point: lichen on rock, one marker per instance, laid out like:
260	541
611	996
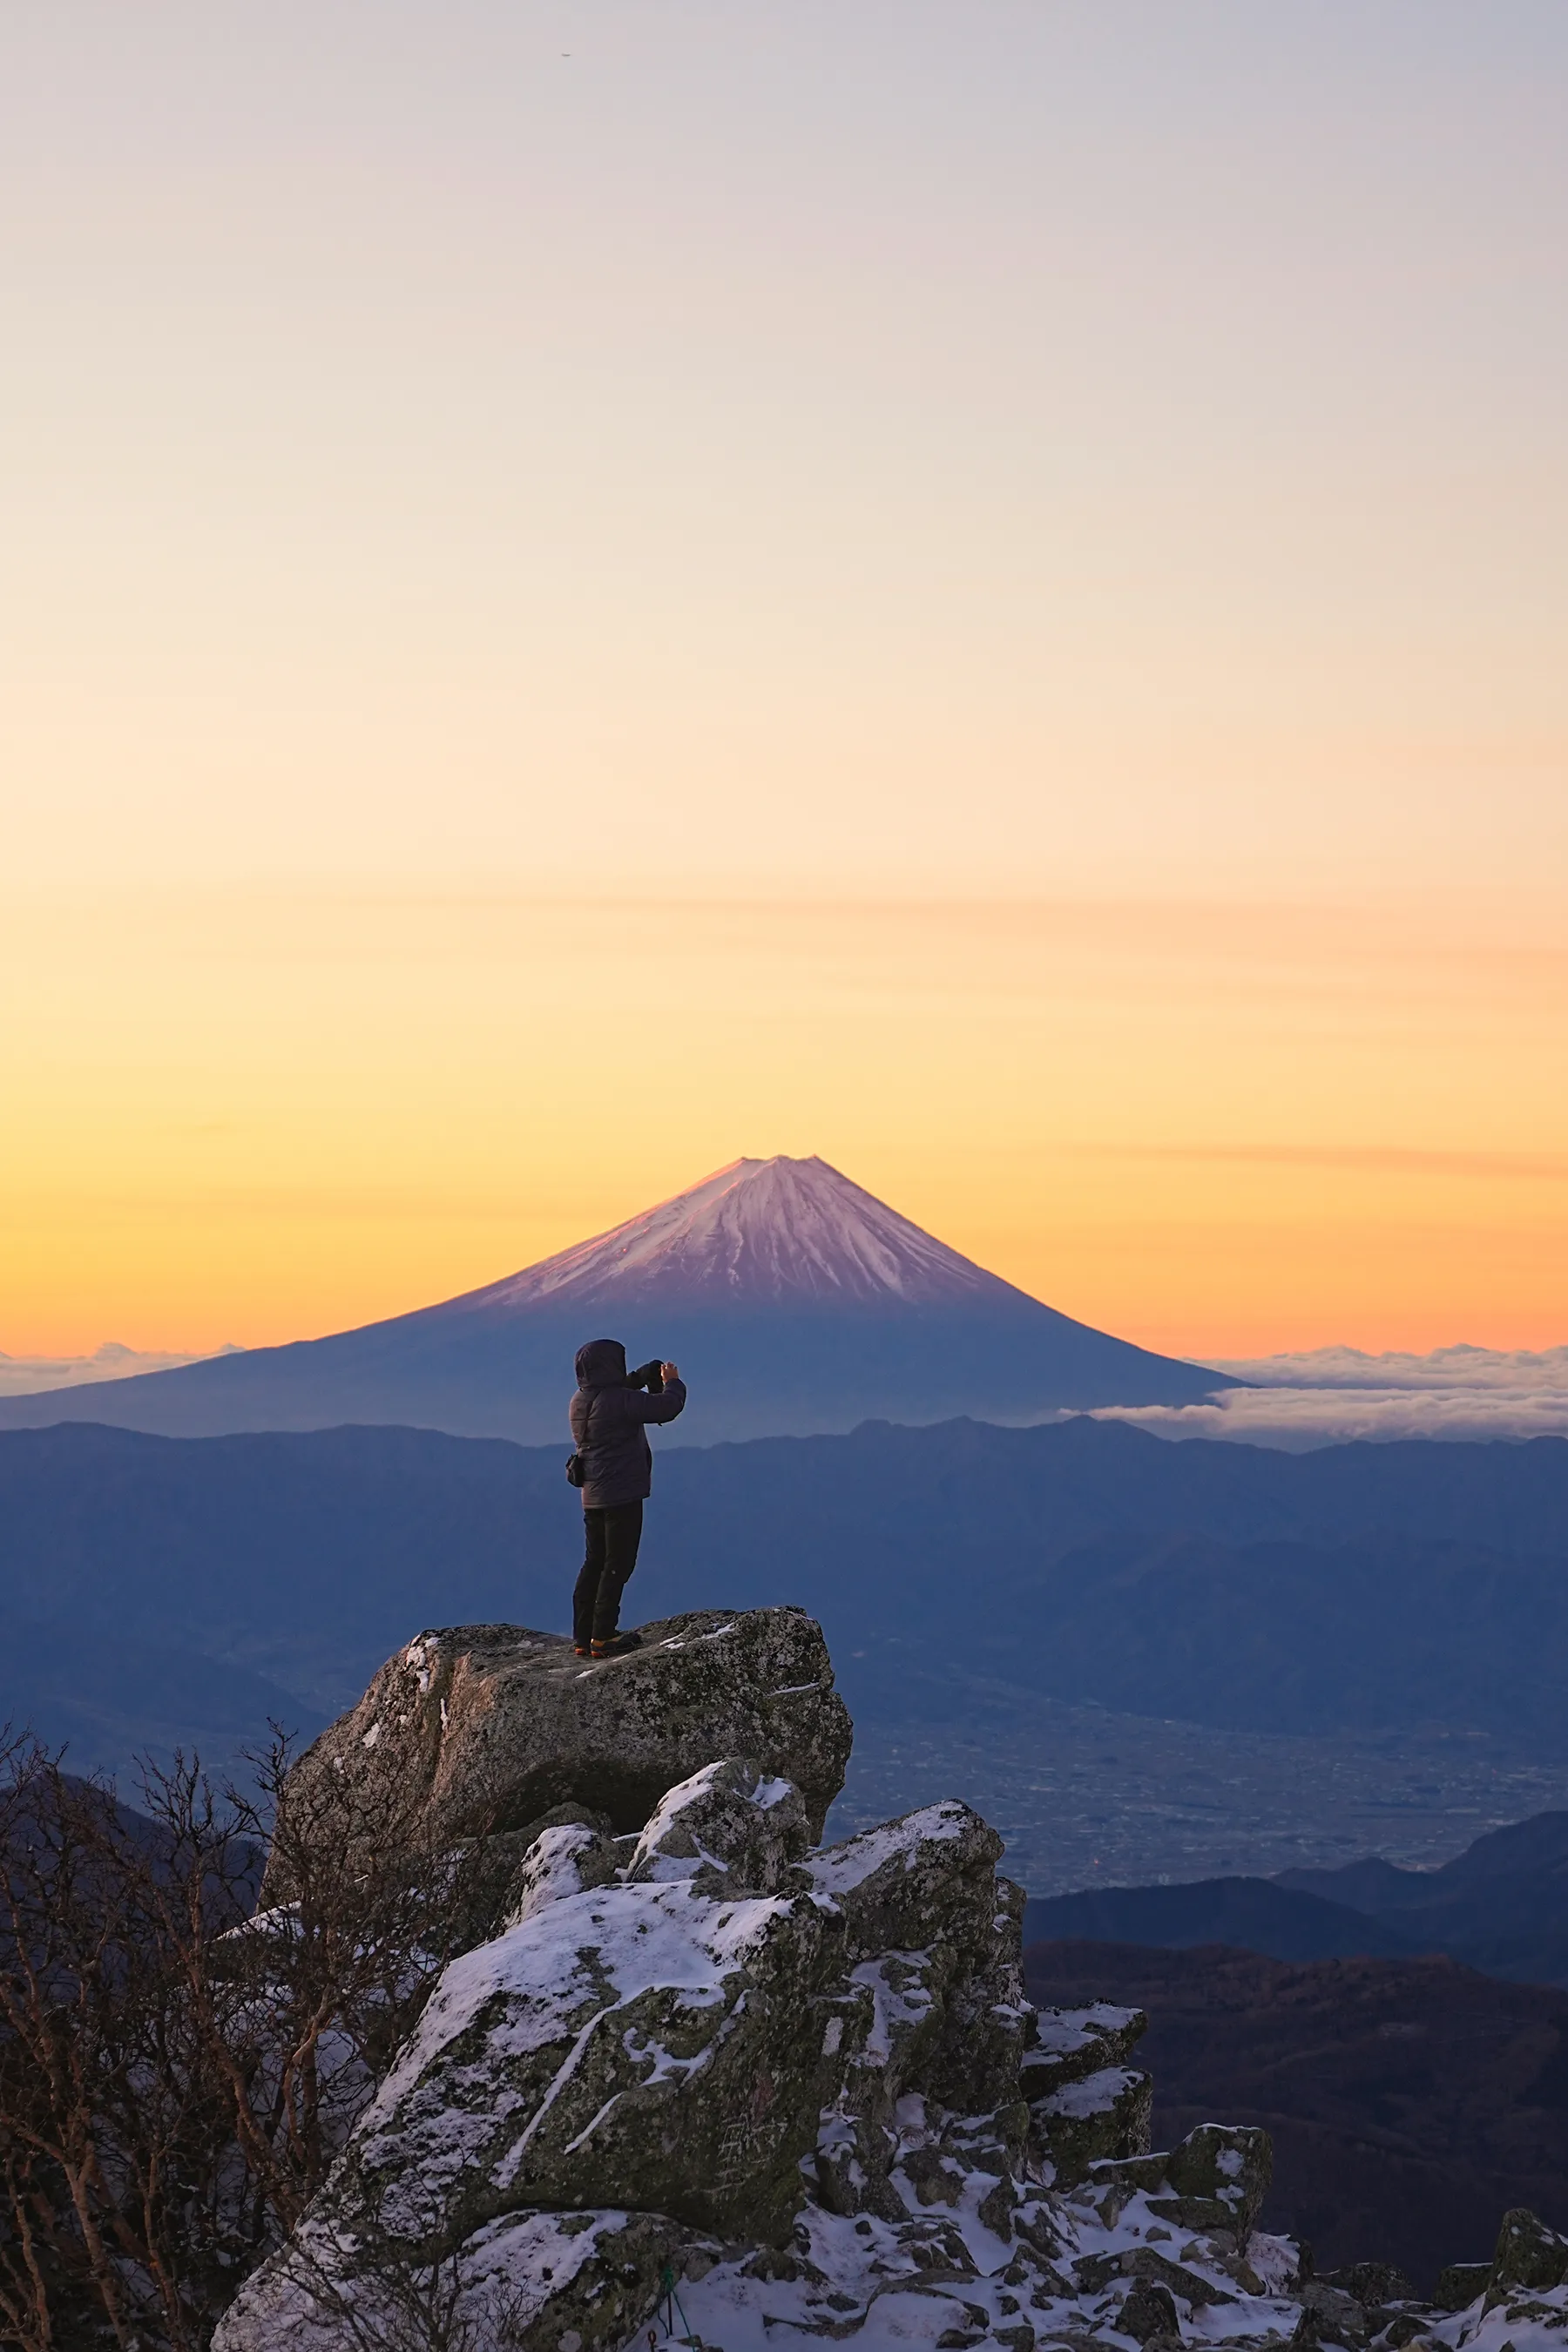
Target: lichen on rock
486	1727
1086	2103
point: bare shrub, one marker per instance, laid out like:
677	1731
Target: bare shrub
176	2074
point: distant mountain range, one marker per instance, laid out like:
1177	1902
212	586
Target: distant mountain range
1080	1560
1502	1906
794	1301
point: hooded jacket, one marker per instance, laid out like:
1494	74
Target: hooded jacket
608	1420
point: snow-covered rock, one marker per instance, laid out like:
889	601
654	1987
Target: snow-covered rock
689	2045
1086	2103
729	1827
729	2107
1529	2256
1521	2298
1214	2182
705	2086
565	1858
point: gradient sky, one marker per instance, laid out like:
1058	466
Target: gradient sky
979	589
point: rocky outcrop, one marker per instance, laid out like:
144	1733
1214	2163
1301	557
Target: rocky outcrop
1458	2285
1521	2300
1517	2300
487	1728
1529	2256
731	1829
706	2082
794	2080
1216	2182
1085	2102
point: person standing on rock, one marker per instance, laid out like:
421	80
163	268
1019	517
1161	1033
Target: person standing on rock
614	1466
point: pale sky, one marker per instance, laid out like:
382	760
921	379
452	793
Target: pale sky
1104	462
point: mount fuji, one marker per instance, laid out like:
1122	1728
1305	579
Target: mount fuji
795	1303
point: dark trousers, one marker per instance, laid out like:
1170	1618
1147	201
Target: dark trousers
610	1555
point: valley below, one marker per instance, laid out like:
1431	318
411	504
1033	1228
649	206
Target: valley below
1145	1662
1085	1797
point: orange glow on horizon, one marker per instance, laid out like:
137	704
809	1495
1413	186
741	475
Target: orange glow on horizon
1215	1130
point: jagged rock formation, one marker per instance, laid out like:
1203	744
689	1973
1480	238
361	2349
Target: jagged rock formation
1086	2101
702	2080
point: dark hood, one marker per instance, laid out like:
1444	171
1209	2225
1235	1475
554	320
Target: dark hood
601	1364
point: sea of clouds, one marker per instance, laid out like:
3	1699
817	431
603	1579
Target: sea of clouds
1327	1395
28	1375
1321	1397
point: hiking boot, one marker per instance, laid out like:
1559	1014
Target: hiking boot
582	1649
615	1646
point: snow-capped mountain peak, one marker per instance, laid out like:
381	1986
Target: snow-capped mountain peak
769	1232
798	1302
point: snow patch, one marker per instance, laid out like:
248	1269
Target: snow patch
837	1870
1095	2094
622	1940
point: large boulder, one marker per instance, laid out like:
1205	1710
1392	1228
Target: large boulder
1220	2174
1529	2254
564	2062
1459	2284
731	1829
486	1729
1214	2181
925	1887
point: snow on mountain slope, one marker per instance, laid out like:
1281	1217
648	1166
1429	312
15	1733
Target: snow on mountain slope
761	1232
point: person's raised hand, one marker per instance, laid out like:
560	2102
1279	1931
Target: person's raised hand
669	1371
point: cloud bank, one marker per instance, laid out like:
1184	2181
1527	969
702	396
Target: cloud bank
1323	1396
28	1375
1326	1396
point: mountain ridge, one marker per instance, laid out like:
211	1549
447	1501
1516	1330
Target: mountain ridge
1500	1907
1080	1560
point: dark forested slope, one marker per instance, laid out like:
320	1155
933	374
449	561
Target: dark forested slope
1411	2102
